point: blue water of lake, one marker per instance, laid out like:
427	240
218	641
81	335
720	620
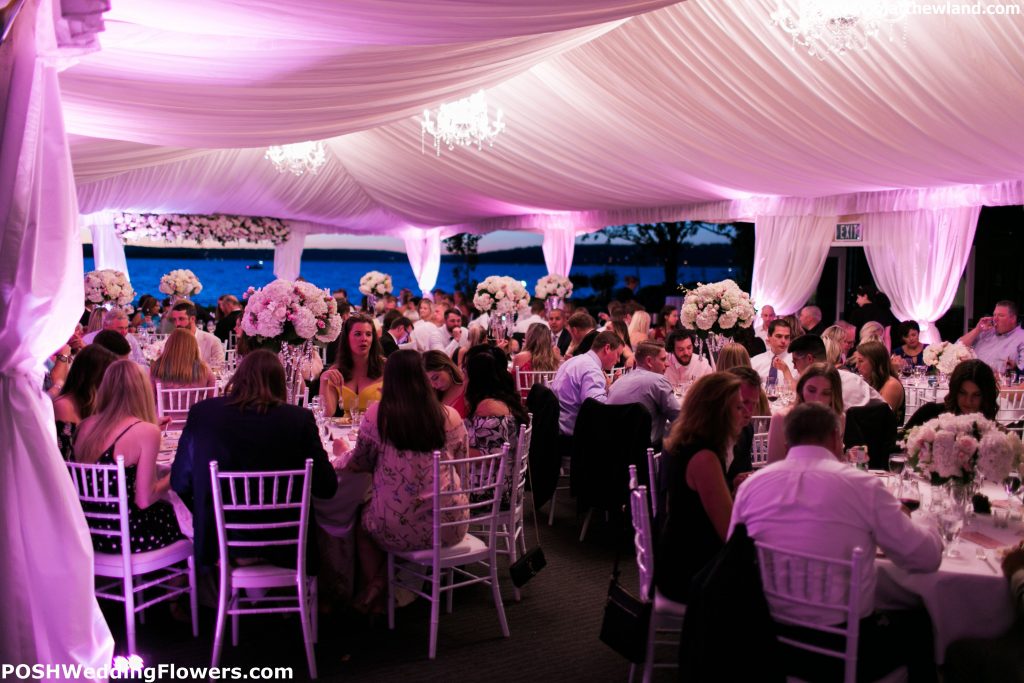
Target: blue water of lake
230	276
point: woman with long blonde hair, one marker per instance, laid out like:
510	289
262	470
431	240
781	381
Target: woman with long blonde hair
732	355
180	365
639	328
125	424
538	352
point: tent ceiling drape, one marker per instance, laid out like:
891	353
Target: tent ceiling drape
616	111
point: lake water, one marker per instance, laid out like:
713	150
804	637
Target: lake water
230	276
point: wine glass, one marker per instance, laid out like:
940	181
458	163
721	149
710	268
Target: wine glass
1011	484
910	494
897	463
771	390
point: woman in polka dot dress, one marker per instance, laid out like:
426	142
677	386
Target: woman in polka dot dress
125	423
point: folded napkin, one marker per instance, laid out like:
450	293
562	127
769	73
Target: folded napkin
978	538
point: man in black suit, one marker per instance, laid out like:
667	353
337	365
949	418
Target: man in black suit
810	320
556	321
397	334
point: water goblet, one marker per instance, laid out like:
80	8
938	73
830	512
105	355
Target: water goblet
1011	484
951	522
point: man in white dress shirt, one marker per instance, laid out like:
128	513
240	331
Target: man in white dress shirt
452	332
426	336
767	316
683	366
536	316
775	364
808	349
582	377
646	385
813	503
117	320
997	340
211	350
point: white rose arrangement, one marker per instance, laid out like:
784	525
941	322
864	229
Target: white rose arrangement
957	447
180	282
152	351
717	308
108	287
217	228
504	295
290	313
945	356
375	283
553	285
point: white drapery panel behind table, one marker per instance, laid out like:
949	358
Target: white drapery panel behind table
107	247
558	248
288	256
917	258
48	611
424	249
789	252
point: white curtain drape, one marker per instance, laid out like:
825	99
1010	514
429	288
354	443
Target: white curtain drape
288	256
48	610
789	252
558	247
917	258
424	249
107	247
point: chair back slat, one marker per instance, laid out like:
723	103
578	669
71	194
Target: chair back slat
526	379
175	403
642	537
520	464
477	481
759	450
916	396
1011	406
96	485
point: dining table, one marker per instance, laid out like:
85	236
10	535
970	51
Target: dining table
968	597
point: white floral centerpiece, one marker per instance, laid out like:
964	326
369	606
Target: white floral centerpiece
504	295
375	283
153	350
955	448
286	312
216	228
108	287
181	283
553	285
945	356
717	308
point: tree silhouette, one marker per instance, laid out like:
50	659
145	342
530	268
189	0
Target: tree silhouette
662	242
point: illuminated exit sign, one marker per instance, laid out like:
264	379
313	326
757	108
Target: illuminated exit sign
849	232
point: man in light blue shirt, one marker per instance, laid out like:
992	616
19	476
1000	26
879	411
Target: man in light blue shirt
647	385
997	340
582	377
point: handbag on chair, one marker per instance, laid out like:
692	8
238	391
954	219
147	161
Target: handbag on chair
626	619
533	560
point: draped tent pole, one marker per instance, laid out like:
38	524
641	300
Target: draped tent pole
559	245
288	256
789	253
107	247
424	250
48	609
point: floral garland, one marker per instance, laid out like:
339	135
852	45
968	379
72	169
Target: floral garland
216	228
553	285
375	283
504	294
958	447
716	308
945	356
286	312
181	282
108	287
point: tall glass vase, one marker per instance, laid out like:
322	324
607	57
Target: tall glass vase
709	347
552	303
502	324
294	357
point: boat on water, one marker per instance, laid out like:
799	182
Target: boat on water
255	266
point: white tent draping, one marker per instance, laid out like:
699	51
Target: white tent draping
288	256
424	249
558	247
107	247
917	258
48	611
789	252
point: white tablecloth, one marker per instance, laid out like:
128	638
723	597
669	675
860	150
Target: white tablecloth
967	597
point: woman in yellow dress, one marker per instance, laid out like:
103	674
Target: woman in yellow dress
354	381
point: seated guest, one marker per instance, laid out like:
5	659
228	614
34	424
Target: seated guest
639	328
397	439
626	358
147	314
426	335
738	463
911	350
455	336
668	322
538	352
355	378
559	334
872	331
77	398
813	503
683	366
819	383
732	356
765	318
230	309
447	381
647	385
993	660
694	502
808	349
833	352
476	335
775	365
845	336
125	424
810	320
251	428
583	376
179	365
398	331
211	350
998	340
582	329
972	389
113	341
873	365
536	316
116	320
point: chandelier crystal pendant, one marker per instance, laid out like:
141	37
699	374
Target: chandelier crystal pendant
298	158
839	26
461	123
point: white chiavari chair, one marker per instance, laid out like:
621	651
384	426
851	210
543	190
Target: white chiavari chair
526	379
1011	406
175	403
917	396
759	450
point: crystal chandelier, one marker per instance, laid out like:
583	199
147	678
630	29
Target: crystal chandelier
297	158
839	26
464	122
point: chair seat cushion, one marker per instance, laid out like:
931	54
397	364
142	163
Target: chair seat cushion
470	545
110	564
262	576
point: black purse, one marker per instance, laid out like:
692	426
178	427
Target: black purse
533	560
626	620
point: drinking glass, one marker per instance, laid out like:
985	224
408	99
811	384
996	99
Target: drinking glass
910	494
1011	484
897	463
771	390
858	456
951	522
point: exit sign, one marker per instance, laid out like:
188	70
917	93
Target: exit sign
848	232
